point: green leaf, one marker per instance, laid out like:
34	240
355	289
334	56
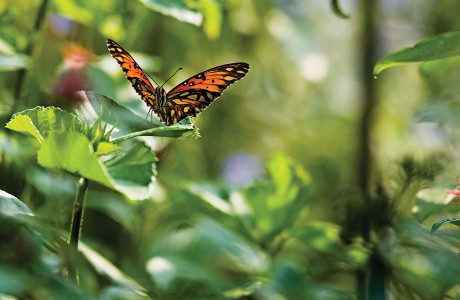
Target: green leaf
338	10
174	8
13	62
433	48
13	281
437	225
423	264
73	152
104	148
133	170
40	121
165	269
290	281
325	238
206	251
113	205
10	205
212	13
129	124
23	124
275	205
106	268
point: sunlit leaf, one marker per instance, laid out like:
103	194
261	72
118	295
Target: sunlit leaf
13	62
104	148
73	152
23	124
10	205
40	121
132	170
212	13
174	8
438	47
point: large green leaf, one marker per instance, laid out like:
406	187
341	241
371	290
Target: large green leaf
38	122
174	8
73	152
433	48
129	124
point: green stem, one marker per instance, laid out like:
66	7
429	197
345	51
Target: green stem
365	159
146	132
30	47
77	217
369	104
131	135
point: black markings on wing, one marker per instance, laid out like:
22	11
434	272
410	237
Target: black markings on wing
193	95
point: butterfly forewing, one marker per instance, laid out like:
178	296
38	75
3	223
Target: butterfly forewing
134	73
186	99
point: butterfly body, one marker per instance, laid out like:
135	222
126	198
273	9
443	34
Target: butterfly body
188	98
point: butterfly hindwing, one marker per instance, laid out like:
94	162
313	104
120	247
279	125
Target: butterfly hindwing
194	94
134	73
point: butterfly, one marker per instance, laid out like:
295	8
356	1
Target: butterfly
188	98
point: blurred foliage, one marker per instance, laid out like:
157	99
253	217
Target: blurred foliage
229	215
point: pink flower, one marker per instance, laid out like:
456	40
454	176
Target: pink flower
72	78
456	193
76	57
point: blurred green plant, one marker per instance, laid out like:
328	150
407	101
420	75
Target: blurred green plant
290	235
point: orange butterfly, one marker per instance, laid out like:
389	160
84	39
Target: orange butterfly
187	99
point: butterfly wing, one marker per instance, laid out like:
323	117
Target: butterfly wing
135	75
194	94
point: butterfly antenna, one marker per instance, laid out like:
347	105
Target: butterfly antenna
151	78
171	76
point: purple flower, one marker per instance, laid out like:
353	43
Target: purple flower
241	169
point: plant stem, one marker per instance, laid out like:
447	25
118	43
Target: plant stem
77	217
369	104
30	47
365	159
